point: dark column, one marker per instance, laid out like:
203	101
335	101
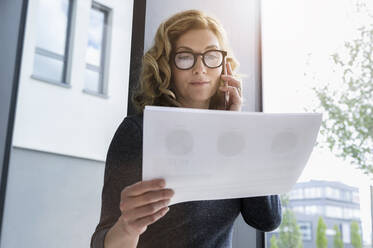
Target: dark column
12	24
137	48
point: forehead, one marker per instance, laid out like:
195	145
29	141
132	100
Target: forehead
198	40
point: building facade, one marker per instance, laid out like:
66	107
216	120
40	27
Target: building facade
337	203
72	96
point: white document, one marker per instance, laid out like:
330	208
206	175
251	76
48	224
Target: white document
215	154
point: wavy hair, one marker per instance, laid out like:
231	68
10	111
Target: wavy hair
155	87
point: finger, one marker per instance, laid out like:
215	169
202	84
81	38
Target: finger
225	66
234	94
230	88
147	198
146	210
150	219
229	69
235	97
232	81
141	187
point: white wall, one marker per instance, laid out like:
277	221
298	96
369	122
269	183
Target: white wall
66	120
52	201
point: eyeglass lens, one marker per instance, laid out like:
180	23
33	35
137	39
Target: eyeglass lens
185	60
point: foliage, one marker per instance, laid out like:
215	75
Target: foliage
274	242
355	235
338	243
289	231
321	241
348	109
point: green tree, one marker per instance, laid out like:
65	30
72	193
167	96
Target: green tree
338	243
348	110
274	242
289	232
355	235
321	241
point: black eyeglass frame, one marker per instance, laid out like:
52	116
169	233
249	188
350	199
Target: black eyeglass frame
224	53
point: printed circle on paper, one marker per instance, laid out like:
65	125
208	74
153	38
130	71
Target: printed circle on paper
284	142
179	142
230	143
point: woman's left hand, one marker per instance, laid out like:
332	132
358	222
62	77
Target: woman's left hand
233	86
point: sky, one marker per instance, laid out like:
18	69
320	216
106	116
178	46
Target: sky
299	37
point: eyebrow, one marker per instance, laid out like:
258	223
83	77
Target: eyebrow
190	49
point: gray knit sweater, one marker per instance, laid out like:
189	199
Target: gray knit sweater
188	224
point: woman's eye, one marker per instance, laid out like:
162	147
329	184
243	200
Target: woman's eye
211	57
184	57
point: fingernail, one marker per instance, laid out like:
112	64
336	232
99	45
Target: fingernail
162	183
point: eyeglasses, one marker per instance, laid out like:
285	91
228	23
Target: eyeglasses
186	60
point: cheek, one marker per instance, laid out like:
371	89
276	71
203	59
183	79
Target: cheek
215	75
179	78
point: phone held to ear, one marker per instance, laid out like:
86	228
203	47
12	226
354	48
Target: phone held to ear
226	94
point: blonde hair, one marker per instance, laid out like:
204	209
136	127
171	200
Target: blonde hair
155	80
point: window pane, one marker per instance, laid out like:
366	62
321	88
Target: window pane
92	81
346	233
48	68
305	229
52	25
298	61
95	37
333	212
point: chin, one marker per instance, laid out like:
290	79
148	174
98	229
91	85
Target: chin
200	99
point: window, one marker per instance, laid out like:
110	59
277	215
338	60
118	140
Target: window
314	210
297	59
296	194
97	50
347	195
347	213
306	230
312	193
330	232
346	236
332	193
52	41
334	212
298	209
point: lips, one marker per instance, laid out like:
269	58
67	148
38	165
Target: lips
199	82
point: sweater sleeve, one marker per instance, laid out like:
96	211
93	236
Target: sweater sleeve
262	213
122	168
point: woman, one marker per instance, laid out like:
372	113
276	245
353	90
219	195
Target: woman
183	69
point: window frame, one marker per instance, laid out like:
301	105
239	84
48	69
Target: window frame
65	58
103	69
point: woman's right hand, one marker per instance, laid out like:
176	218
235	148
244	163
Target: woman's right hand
142	204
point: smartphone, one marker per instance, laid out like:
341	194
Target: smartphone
226	94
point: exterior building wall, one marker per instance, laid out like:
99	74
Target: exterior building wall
61	136
68	121
322	200
51	200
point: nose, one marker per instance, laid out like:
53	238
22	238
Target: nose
199	67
